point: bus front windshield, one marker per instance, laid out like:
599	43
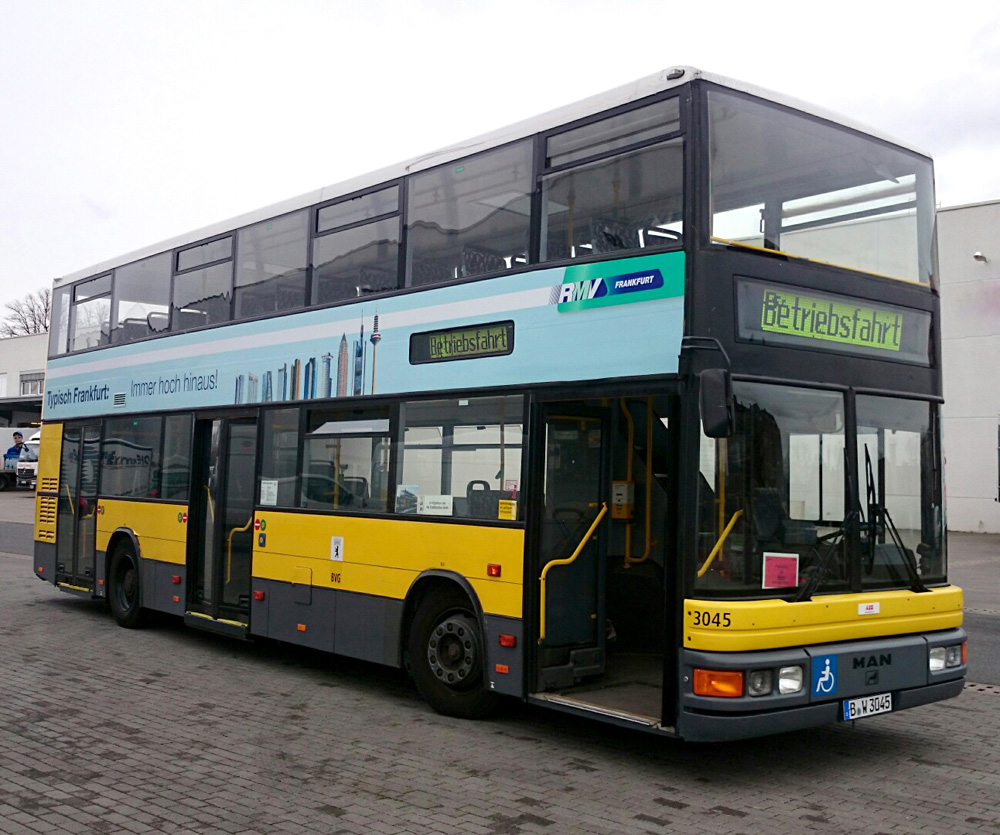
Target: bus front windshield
793	183
778	514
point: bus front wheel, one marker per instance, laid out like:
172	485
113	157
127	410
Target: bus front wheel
446	656
124	587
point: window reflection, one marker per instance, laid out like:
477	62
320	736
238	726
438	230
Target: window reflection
771	497
202	297
899	480
141	299
629	202
271	265
470	217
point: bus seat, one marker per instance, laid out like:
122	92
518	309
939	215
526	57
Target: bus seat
612	235
428	272
375	280
478	260
773	524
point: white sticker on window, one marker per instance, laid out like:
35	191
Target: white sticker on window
269	491
435	505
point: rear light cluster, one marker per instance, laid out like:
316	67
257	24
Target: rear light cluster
940	658
729	684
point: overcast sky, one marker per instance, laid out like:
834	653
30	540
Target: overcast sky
126	122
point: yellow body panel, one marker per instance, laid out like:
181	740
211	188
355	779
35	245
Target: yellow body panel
49	453
160	528
767	624
384	556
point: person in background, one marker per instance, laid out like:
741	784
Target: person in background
15	451
11	455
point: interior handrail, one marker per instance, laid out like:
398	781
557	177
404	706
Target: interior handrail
566	561
229	547
718	545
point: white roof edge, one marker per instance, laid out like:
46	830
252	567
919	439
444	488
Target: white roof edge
979	204
649	85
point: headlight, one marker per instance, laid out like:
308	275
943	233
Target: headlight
936	658
953	656
759	683
789	680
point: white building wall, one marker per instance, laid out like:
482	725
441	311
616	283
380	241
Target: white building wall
970	331
21	355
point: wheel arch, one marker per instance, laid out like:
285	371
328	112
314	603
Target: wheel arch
426	583
118	536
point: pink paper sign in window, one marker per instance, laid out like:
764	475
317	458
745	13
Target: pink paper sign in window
781	571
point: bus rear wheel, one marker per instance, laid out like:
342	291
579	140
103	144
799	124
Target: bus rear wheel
125	587
446	656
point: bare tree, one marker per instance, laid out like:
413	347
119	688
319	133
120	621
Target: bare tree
28	315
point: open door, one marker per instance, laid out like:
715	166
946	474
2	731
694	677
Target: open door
221	529
602	555
77	507
572	548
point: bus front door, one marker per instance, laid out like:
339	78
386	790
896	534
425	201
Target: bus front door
77	507
572	548
221	529
601	553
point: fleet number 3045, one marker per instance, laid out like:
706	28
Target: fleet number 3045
721	619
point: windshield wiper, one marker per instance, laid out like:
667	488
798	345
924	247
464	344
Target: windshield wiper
876	510
818	572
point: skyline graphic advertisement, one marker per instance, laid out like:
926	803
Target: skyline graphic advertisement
607	319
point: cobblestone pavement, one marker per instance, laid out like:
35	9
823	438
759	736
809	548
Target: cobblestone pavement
109	730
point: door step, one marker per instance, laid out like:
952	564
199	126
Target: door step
589	707
220	626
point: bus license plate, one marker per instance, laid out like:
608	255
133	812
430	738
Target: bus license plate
867	706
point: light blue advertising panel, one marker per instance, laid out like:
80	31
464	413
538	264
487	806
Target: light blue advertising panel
610	319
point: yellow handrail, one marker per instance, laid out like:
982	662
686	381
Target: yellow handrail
718	545
229	548
566	561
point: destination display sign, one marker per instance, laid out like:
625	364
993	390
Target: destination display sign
494	339
770	314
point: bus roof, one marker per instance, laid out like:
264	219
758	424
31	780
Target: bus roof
626	93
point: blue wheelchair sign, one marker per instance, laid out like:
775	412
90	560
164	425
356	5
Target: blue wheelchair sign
824	676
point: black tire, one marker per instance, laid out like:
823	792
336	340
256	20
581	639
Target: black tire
125	587
446	656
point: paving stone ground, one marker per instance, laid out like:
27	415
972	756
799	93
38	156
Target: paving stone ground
107	730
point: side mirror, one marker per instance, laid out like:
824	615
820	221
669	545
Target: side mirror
716	400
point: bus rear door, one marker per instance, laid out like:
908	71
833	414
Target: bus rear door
221	528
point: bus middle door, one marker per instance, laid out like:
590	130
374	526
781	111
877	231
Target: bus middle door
572	551
221	530
77	506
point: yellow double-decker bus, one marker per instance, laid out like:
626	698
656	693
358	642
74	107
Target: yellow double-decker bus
631	410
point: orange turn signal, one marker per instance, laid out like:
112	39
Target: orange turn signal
493	570
726	684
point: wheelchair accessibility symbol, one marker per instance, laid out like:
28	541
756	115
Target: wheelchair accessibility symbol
824	675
